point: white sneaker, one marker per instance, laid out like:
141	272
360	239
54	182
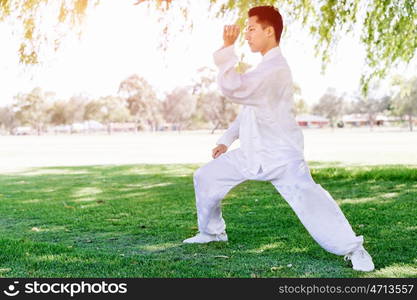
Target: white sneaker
361	260
202	238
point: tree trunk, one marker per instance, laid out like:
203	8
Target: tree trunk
371	122
215	127
410	122
331	123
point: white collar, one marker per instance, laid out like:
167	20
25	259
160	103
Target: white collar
275	51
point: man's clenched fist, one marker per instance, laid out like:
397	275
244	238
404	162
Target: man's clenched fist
220	149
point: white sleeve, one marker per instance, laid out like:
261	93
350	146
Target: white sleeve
231	134
239	88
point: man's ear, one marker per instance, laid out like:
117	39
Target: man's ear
270	31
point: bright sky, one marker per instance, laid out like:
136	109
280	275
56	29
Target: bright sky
120	39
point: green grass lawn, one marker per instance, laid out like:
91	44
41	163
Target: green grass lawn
129	221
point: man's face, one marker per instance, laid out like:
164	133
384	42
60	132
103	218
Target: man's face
255	35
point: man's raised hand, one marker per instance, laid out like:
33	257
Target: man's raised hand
230	34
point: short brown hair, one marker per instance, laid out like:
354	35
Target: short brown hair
268	16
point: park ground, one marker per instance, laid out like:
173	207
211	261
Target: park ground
119	206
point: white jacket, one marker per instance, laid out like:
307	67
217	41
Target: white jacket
268	133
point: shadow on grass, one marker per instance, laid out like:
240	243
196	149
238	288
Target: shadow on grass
129	221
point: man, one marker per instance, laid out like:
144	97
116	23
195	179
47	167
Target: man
271	145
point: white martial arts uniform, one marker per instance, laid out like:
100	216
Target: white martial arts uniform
271	150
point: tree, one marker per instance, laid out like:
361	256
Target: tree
405	99
179	106
30	16
388	27
330	106
76	108
57	113
112	109
217	109
67	112
32	109
92	110
211	105
371	106
8	120
300	105
142	102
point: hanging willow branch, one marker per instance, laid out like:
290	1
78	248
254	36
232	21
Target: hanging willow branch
388	28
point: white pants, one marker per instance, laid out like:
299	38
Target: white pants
314	206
